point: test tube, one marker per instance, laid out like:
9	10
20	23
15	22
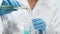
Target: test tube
40	31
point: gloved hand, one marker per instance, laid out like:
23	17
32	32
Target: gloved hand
39	24
12	3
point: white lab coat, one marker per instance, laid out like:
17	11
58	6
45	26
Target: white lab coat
44	9
16	21
1	24
48	10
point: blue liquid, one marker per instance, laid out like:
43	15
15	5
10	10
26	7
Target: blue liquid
27	31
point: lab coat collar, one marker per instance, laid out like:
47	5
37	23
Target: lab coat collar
48	3
41	3
38	5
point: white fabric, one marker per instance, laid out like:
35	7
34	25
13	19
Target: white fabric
20	19
48	10
1	26
44	9
1	2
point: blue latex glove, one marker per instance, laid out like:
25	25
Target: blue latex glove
12	3
39	24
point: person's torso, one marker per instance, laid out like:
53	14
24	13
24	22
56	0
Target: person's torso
43	11
47	11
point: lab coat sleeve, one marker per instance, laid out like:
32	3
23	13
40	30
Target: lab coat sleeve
54	26
1	26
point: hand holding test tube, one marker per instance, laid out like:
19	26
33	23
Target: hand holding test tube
39	24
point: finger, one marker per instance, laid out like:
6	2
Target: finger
41	28
36	19
13	3
37	22
5	2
